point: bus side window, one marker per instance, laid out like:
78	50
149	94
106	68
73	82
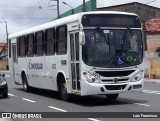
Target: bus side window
26	46
49	44
61	40
38	43
18	48
30	39
21	46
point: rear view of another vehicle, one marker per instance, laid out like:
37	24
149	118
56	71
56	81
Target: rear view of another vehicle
3	87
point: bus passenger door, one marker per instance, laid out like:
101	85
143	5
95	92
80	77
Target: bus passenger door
15	63
74	57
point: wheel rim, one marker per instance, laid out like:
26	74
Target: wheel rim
24	86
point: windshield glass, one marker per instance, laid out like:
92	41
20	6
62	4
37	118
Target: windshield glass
112	47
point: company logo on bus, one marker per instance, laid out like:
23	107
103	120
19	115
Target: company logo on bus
35	65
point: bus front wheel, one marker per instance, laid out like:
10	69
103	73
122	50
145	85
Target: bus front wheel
63	90
25	83
112	96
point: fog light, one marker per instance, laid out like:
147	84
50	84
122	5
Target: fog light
93	79
137	86
102	89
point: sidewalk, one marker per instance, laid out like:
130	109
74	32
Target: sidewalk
4	72
152	80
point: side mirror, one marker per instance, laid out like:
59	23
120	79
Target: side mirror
144	42
82	38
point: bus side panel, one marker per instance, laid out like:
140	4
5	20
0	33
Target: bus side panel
54	65
35	71
50	72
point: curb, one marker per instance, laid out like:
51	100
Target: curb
152	80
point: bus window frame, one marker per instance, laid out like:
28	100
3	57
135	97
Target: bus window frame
65	40
19	48
36	49
48	42
28	53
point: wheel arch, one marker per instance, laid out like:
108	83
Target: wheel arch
60	75
22	73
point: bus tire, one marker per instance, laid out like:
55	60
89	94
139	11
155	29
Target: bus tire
112	96
25	83
63	90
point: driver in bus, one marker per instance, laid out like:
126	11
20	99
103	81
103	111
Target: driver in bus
88	48
100	45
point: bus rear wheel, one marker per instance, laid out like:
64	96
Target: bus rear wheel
112	96
25	83
63	90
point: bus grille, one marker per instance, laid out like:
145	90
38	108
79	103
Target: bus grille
115	87
111	80
114	73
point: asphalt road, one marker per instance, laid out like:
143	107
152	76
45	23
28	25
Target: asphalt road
49	101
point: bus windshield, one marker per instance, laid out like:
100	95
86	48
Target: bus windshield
112	48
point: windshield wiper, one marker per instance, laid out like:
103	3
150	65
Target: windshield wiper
103	35
127	30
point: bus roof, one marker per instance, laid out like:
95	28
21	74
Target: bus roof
65	20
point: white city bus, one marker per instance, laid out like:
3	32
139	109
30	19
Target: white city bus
89	53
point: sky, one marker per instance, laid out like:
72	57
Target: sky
24	14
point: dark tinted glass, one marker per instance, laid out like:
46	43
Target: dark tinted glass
111	20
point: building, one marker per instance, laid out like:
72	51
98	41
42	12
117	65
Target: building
152	26
3	56
138	8
152	29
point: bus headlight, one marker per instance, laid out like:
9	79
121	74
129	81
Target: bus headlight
138	77
90	78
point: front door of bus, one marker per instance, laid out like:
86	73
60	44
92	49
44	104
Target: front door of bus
15	63
75	67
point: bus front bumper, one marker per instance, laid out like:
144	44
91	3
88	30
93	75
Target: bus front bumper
102	89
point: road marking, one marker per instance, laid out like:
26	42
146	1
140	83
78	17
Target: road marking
11	95
135	103
62	110
57	109
93	119
28	100
142	104
152	92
